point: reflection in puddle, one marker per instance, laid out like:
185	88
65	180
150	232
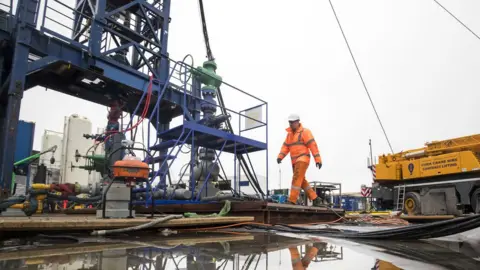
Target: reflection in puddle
383	265
220	251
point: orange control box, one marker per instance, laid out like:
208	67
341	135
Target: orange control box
130	169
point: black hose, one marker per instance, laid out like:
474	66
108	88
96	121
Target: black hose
74	198
4	204
415	232
243	163
205	32
66	237
428	226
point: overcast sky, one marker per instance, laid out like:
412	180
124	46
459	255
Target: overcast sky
420	66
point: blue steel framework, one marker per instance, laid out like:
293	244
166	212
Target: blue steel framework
87	66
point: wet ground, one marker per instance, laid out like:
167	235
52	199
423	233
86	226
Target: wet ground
230	251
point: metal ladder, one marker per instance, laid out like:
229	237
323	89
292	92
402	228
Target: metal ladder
400	197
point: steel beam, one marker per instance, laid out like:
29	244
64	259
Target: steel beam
53	50
40	64
164	63
96	31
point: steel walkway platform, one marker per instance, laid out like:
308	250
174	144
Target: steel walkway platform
211	138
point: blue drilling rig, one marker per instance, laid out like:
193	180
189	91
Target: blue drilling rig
115	54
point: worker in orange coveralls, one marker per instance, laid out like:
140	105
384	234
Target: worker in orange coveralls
302	263
299	143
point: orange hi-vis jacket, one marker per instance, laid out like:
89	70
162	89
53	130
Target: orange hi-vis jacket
299	145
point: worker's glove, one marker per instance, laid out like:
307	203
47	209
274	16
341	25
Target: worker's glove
319	165
279	160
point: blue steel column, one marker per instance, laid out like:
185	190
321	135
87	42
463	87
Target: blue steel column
1	69
96	31
163	70
266	141
77	18
164	62
163	166
135	55
26	14
197	93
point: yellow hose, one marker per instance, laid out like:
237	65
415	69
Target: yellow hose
40	186
17	206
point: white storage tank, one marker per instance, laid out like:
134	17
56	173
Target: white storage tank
74	129
49	139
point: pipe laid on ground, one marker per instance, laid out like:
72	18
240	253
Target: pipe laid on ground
138	227
224	197
220	197
180	194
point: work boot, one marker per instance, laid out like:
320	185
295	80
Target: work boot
317	202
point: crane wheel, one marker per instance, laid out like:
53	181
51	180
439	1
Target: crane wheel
412	204
474	201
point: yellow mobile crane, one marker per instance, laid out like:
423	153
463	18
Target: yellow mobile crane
442	178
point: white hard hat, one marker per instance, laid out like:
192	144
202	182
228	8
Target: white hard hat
293	117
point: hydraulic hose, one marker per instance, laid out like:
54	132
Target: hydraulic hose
137	228
219	197
11	201
74	198
415	232
62	237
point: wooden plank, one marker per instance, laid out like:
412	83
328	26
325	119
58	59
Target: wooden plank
207	208
261	211
62	222
214	207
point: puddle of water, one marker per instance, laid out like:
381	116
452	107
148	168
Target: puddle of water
226	251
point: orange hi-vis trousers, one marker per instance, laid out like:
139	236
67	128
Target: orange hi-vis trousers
302	263
299	182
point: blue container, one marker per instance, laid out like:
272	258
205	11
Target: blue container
25	135
23	148
336	202
349	203
279	198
